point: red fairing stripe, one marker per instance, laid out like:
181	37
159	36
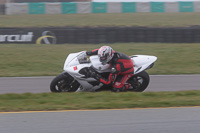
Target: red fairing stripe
75	68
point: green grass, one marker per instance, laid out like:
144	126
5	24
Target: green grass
47	60
101	100
118	19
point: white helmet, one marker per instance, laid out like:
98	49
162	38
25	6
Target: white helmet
105	54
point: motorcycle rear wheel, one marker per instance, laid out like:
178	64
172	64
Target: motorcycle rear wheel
139	82
64	83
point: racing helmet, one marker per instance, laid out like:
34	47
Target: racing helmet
105	54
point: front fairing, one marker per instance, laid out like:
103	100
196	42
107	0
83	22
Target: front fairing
75	59
76	62
71	60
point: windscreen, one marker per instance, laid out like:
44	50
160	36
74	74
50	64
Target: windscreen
82	58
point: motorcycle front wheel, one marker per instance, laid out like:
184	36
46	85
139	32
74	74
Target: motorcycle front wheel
64	83
139	82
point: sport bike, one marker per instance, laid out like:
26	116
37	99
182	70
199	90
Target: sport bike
76	66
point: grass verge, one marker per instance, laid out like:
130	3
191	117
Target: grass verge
48	60
101	100
110	19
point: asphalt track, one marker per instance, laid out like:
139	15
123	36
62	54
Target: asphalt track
151	120
160	120
41	84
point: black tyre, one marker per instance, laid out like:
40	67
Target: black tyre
139	82
64	83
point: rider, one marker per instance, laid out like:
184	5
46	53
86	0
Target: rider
121	68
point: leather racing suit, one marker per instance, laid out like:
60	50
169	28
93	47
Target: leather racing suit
121	70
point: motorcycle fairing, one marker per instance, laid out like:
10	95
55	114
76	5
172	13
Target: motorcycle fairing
79	62
142	62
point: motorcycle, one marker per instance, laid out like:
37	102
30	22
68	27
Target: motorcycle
76	66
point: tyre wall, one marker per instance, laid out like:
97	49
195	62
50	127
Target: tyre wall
97	35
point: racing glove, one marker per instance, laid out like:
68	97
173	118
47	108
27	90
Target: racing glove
93	52
94	75
89	53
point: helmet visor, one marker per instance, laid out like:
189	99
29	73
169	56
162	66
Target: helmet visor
103	59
